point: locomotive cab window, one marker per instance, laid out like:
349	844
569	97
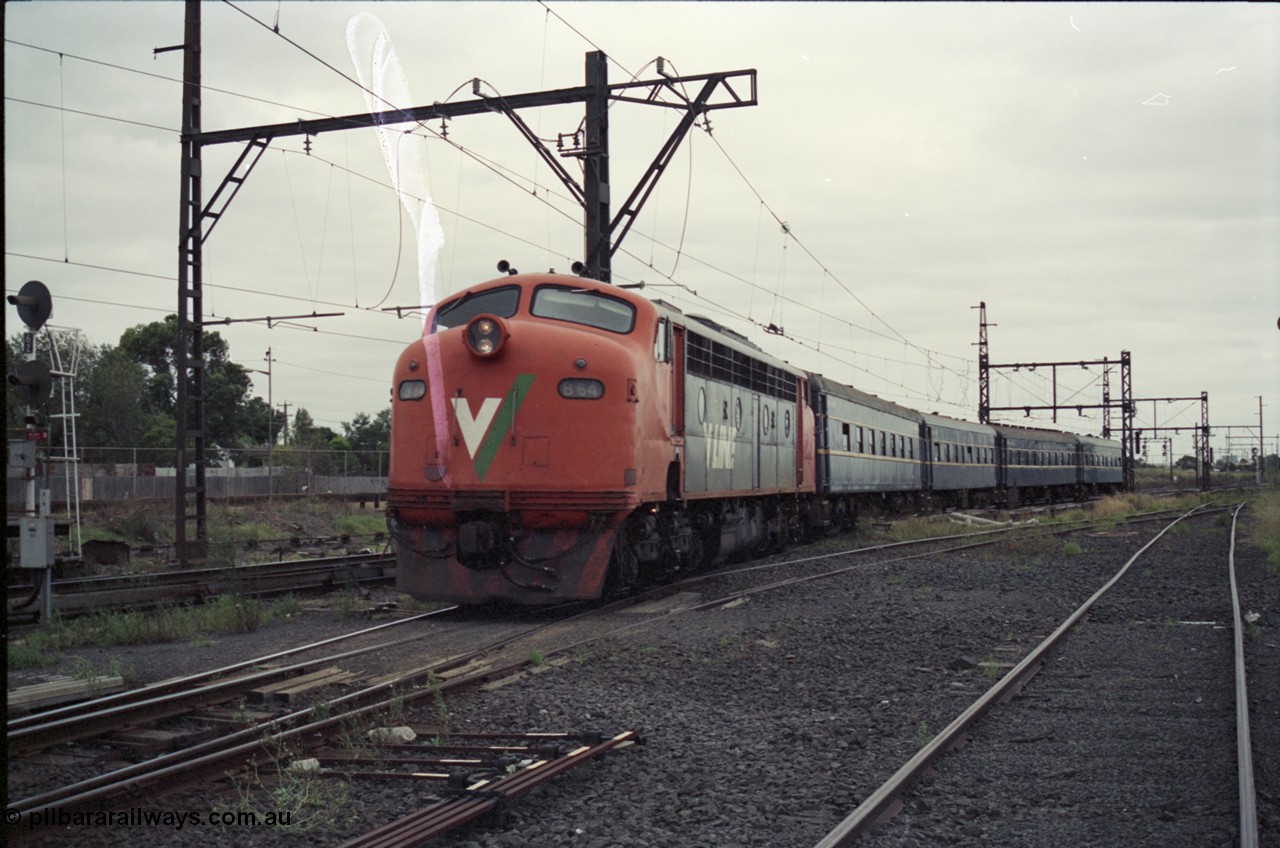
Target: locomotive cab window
584	306
662	342
501	302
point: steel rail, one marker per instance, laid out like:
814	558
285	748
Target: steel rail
1244	747
81	726
190	681
121	592
477	799
107	582
885	801
213	757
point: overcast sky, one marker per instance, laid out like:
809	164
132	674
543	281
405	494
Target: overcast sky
1102	176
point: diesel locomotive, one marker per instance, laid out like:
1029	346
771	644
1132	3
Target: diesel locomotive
558	438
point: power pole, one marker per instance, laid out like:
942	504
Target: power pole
595	175
189	364
1126	393
984	365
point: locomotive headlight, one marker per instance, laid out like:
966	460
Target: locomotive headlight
412	390
484	335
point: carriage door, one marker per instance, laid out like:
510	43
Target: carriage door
759	440
675	472
677	384
926	458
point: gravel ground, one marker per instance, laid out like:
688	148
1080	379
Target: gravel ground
765	722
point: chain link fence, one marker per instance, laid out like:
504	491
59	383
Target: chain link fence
126	474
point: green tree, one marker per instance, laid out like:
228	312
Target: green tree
367	437
114	412
257	426
226	384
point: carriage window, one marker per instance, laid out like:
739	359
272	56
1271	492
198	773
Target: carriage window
502	302
861	441
584	306
969	454
882	441
844	431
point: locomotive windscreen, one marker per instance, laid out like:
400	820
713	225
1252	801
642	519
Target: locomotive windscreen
501	302
584	306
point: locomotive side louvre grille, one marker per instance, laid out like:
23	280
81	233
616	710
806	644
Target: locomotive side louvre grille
418	497
571	500
717	361
498	501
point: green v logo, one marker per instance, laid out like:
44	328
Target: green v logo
483	431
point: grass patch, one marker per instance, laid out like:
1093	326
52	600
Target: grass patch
361	524
23	655
224	615
1072	548
1264	520
915	528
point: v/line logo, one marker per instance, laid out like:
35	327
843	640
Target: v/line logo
483	431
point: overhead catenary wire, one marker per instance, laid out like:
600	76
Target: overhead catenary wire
931	358
502	171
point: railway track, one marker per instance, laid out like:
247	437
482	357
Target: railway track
85	595
495	659
1133	720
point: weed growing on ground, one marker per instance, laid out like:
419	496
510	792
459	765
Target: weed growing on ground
1072	548
298	802
442	709
344	605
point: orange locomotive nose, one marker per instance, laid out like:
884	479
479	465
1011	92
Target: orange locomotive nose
515	425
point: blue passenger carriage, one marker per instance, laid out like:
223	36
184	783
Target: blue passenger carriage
1100	464
868	448
1035	464
960	460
